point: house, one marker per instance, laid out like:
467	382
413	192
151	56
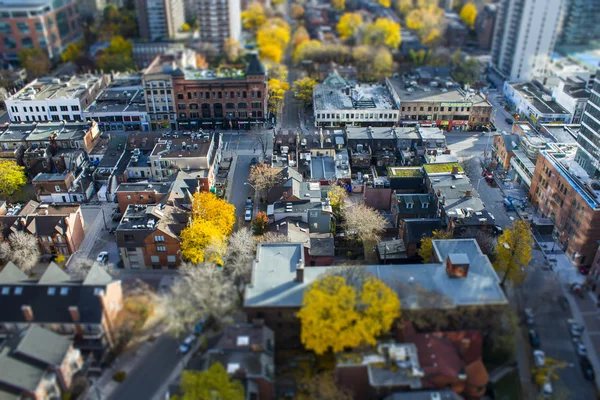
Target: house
247	352
141	193
139	167
57	226
418	205
319	248
316	212
407	180
37	363
280	278
288	186
63	188
412	230
372	145
110	159
503	147
85	309
148	236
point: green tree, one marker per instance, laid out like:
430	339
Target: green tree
73	52
465	70
426	248
212	384
117	56
303	90
513	253
12	177
35	61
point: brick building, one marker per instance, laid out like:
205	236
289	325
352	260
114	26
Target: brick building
62	188
502	149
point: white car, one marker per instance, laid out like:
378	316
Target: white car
248	216
581	349
529	316
187	344
575	329
539	357
547	389
102	258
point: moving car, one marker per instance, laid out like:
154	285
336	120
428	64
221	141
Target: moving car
102	257
248	216
539	358
534	339
187	344
509	121
587	369
581	349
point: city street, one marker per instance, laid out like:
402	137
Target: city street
239	191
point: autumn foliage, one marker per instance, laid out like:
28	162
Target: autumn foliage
213	383
12	177
513	253
272	39
383	32
426	248
349	25
469	14
336	315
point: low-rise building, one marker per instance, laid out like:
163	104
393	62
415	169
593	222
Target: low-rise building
370	145
573	96
407	180
413	205
55	99
58	227
412	230
532	101
148	236
503	147
37	363
63	188
85	309
141	193
319	248
338	103
316	212
280	277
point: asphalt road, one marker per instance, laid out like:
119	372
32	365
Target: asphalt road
541	291
240	191
151	371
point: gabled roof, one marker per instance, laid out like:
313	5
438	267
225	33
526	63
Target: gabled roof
11	273
97	276
255	67
54	275
44	345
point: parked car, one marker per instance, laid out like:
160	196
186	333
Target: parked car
249	203
584	270
547	389
529	316
534	339
199	327
509	121
581	349
102	258
575	329
253	162
539	358
187	344
587	369
248	216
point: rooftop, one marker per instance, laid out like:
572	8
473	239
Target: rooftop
144	187
340	95
43	131
73	87
457	193
542	101
439	90
405	172
274	281
186	147
561	133
441	168
370	133
117	99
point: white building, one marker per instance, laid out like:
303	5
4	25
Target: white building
337	103
159	19
573	96
55	99
524	37
218	19
533	102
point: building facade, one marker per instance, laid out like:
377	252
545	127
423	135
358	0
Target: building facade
580	25
218	20
588	153
524	37
159	19
535	103
573	96
484	26
47	25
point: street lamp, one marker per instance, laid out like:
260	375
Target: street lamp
249	184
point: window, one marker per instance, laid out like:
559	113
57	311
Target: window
18	290
64	108
409	205
425	205
154	259
244	94
98	291
159	238
180	96
5	291
74	108
27	42
64	291
161	248
51	291
171	259
57	188
23	27
5	28
10	43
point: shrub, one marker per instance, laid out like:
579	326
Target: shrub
120	376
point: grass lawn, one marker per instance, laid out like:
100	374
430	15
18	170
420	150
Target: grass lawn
509	387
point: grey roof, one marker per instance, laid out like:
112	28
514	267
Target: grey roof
54	275
454	191
21	374
322	245
458	258
44	345
417	228
373	133
249	363
509	140
322	168
417	204
11	273
533	92
274	277
364	96
425	395
254	67
97	276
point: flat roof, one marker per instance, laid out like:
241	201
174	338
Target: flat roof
408	93
42	131
405	172
362	96
119	100
274	276
50	88
441	168
367	132
539	99
186	147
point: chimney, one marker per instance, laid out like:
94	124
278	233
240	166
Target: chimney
457	265
454	170
27	313
468	193
300	272
74	311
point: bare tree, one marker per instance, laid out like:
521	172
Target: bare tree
272	237
238	264
22	249
83	266
263	138
263	177
485	240
471	165
203	291
363	222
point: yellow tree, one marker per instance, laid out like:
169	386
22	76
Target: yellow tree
272	39
277	91
383	32
426	248
297	11
382	63
300	35
549	371
336	315
254	17
339	5
12	177
337	196
186	27
322	387
232	49
349	25
385	3
208	207
432	38
404	6
198	239
424	20
73	52
214	383
305	50
303	90
276	71
469	14
513	253
271	52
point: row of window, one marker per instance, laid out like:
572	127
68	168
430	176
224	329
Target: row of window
43	108
18	290
254	94
358	116
44	118
240	114
441	109
219	106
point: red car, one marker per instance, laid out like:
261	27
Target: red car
584	270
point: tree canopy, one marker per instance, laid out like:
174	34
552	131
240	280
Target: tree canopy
336	315
254	17
468	14
22	249
349	25
117	56
363	222
263	177
303	90
272	39
207	206
383	32
12	177
426	248
305	48
212	384
513	253
35	61
338	5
